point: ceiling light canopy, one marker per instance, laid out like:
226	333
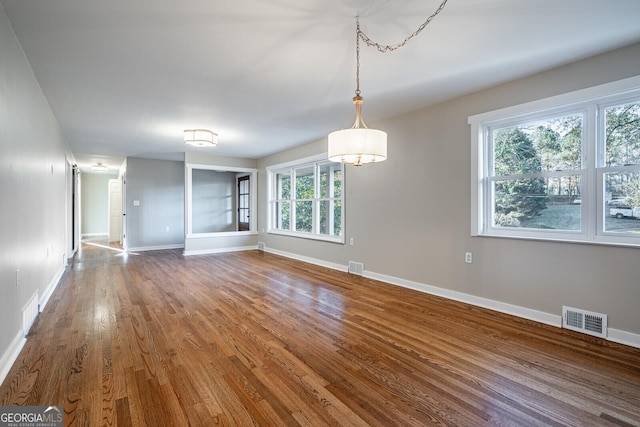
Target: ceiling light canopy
200	138
99	167
360	145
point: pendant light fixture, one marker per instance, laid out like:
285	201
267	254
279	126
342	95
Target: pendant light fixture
360	144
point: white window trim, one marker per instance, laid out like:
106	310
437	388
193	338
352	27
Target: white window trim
572	101
271	214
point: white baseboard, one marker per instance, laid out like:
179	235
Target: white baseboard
315	261
219	250
44	299
623	337
154	248
84	235
516	310
615	335
11	354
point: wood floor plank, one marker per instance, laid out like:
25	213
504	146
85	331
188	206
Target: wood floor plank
251	338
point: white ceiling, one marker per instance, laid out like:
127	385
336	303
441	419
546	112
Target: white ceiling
125	77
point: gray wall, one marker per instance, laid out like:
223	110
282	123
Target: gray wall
423	239
95	203
159	187
33	158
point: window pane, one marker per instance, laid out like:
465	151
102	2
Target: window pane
622	210
304	216
304	183
283	210
244	186
622	135
243	215
330	180
541	203
243	201
546	145
283	182
331	217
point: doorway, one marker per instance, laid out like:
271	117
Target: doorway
244	207
115	211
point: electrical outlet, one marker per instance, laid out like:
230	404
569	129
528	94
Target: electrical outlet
351	241
17	277
468	257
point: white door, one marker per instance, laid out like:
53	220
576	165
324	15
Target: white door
123	237
115	210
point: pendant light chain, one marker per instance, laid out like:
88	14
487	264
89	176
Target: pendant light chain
358	32
360	145
390	48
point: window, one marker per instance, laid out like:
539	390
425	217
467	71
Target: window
306	199
565	168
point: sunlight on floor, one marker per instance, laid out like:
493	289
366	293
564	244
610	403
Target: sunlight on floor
121	251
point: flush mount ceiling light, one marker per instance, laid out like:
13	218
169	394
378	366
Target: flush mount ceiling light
360	144
200	138
99	167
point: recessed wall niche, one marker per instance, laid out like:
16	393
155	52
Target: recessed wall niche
212	200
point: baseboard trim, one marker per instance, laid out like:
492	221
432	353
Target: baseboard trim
219	250
623	337
11	355
84	235
44	299
615	335
314	261
515	310
154	248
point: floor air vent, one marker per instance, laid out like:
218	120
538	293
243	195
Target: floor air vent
584	321
29	313
356	268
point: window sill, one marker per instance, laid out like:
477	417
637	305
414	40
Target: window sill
309	236
221	234
616	241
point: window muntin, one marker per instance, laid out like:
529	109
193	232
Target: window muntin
306	200
561	168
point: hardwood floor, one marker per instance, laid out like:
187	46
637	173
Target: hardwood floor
251	338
